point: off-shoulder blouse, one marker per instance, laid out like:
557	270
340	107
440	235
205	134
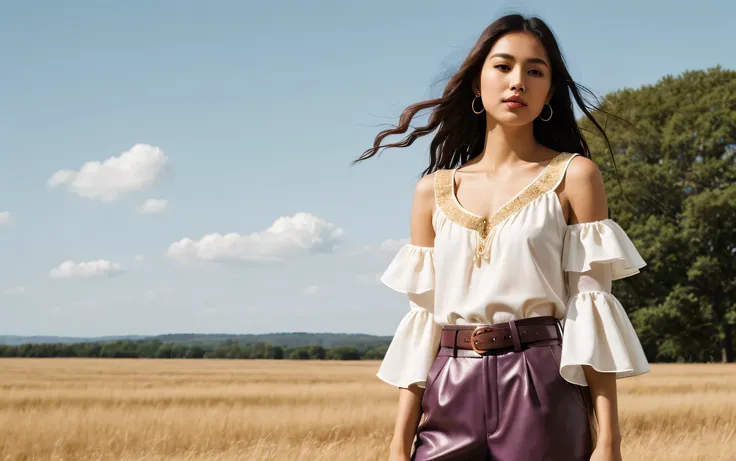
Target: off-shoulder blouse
525	261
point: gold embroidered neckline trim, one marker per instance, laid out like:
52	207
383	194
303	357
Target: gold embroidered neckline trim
450	206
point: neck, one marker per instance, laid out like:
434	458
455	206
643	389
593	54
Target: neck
507	145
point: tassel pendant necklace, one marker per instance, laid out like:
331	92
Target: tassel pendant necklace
483	248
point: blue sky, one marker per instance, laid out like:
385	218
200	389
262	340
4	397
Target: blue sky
241	117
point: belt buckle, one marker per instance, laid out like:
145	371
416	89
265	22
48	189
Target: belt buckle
474	342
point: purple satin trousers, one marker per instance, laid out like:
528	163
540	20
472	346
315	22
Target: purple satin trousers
503	406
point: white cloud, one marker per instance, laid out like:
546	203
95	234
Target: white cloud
139	257
19	290
133	170
288	236
99	268
4	217
152	206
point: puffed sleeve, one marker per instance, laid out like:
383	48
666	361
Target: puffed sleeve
596	329
415	344
600	242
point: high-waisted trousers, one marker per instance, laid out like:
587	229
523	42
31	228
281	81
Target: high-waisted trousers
504	405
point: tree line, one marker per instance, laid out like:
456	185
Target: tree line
155	349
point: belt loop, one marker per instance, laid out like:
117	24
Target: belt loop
515	335
454	345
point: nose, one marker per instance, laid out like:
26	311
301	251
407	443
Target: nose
517	82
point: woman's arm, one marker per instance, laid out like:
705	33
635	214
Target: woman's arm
602	388
407	419
586	195
410	399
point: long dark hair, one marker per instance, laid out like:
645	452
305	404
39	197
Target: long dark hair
461	133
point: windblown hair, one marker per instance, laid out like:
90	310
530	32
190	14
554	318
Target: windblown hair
461	133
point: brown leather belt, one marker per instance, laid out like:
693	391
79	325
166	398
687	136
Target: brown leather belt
515	333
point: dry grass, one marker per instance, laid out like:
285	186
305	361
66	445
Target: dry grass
167	410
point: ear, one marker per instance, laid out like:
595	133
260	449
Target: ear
550	94
475	86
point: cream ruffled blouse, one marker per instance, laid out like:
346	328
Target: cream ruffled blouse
524	262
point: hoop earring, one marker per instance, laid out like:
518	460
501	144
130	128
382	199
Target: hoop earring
472	106
550	114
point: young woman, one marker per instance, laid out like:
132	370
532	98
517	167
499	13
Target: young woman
513	342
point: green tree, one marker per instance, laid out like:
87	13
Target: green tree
317	353
194	352
148	349
178	351
220	352
677	166
274	352
164	351
119	349
88	349
258	351
343	353
299	353
377	353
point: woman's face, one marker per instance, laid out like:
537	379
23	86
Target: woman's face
517	65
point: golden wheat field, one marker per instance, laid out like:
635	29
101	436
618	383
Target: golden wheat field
226	410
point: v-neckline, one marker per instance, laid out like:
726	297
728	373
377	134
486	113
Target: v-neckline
453	193
450	206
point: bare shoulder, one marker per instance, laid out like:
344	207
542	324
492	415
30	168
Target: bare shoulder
582	171
424	193
585	191
422	231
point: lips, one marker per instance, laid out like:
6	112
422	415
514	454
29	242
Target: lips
514	105
517	101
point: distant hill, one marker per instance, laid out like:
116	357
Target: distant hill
294	339
10	340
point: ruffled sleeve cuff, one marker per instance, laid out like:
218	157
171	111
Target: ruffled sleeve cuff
412	350
597	332
600	241
411	271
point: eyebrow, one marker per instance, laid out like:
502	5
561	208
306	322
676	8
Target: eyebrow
508	56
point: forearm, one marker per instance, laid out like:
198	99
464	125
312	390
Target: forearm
407	418
602	388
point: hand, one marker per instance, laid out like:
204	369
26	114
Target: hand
606	452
